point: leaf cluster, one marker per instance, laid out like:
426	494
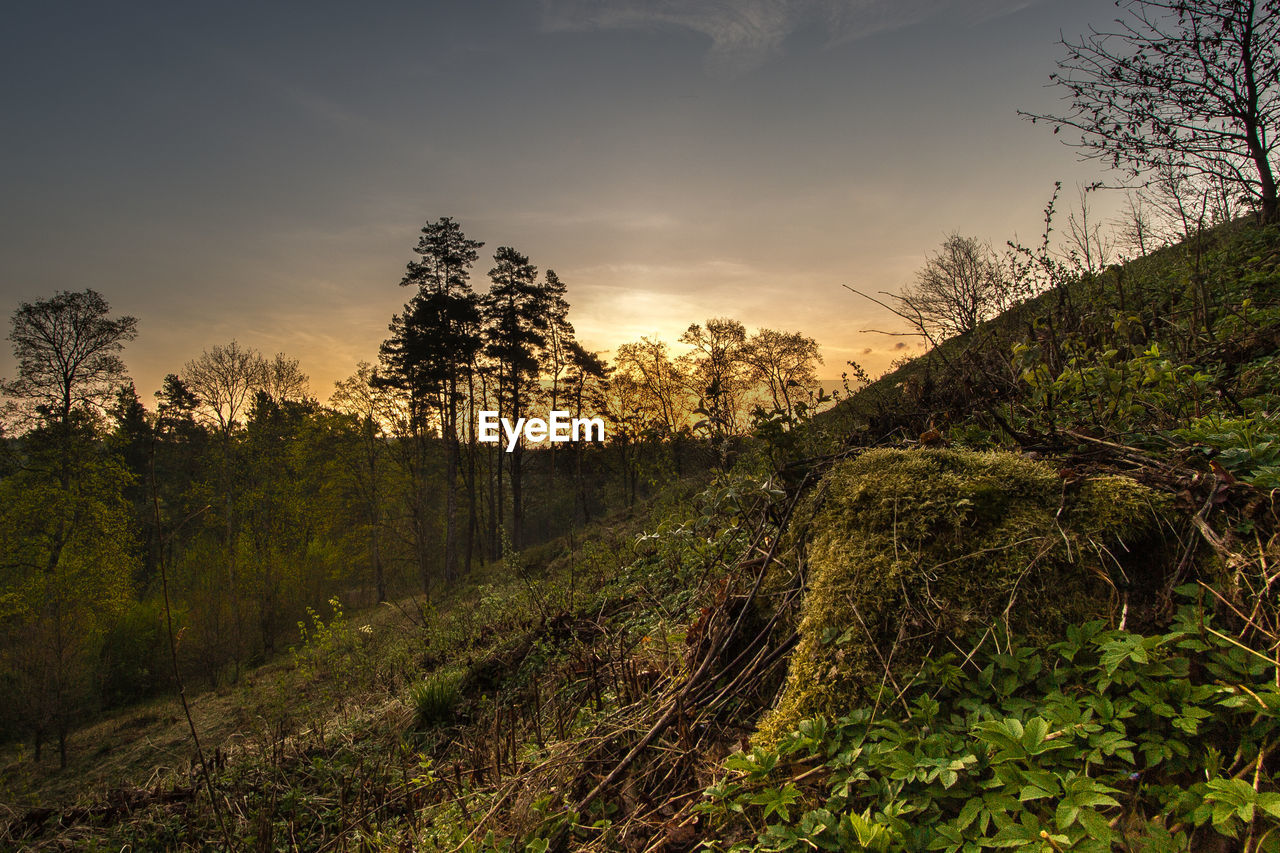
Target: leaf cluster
1106	739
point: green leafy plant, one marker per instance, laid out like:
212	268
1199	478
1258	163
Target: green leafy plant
1108	739
1247	447
1111	389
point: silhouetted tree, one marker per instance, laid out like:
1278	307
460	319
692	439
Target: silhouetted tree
558	353
432	351
785	363
585	385
1189	85
367	403
959	286
718	373
649	405
66	551
224	380
133	440
660	385
283	380
68	354
516	323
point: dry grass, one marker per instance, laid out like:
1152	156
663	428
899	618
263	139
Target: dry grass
149	743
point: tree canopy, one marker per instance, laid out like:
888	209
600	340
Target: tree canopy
68	352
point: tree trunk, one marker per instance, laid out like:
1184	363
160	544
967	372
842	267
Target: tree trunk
1252	121
449	426
451	508
419	501
379	581
500	521
517	457
469	476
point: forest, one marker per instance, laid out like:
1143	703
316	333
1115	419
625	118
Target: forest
254	502
1018	591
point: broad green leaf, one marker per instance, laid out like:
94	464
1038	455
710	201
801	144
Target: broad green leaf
1096	825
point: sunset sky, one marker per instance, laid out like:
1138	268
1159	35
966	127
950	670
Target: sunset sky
230	170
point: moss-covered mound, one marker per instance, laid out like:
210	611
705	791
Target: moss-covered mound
924	551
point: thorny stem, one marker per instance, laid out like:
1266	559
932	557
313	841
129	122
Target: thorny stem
162	563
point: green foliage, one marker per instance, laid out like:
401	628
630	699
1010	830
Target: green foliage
1248	447
133	660
1170	342
325	651
66	561
1128	354
1111	391
791	432
697	540
911	553
321	635
1107	738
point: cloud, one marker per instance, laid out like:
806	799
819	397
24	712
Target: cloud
746	33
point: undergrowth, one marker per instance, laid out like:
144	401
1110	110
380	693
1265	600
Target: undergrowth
1152	743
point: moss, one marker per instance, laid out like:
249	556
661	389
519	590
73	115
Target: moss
914	549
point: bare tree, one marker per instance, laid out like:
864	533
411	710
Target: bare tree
1136	227
283	379
1189	205
784	362
1187	85
959	286
1085	239
225	378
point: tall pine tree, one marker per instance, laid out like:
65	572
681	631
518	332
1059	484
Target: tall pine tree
516	327
432	351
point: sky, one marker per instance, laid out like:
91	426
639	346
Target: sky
259	172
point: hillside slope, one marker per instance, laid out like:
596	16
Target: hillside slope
1057	631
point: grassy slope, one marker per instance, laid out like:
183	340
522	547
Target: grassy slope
1166	370
345	697
1169	295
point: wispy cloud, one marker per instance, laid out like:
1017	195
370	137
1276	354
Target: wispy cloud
747	33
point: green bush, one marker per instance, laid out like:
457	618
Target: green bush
1247	447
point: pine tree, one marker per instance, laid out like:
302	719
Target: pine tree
516	330
432	351
558	356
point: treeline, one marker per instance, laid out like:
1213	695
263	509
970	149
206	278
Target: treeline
246	501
